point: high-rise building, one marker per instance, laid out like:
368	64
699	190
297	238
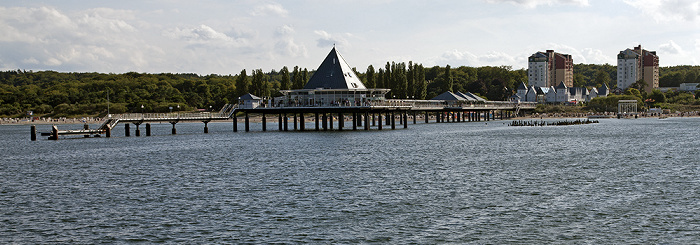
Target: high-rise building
637	64
546	69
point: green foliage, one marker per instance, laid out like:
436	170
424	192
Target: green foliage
609	103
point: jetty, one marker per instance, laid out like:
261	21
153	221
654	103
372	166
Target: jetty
334	92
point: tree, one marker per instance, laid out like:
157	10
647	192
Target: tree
304	77
422	85
297	82
380	79
286	83
602	77
241	84
640	85
410	80
369	80
449	82
579	80
657	96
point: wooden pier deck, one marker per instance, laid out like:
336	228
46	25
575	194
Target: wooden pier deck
367	115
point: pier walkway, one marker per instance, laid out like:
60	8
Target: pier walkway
369	114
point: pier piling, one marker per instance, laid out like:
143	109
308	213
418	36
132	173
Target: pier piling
148	129
33	136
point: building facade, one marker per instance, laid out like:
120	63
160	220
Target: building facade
546	69
637	64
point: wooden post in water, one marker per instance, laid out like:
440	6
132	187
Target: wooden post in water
86	127
174	130
405	119
264	122
235	123
285	123
414	117
354	121
366	120
324	117
33	136
108	132
247	122
301	122
206	127
374	122
379	118
279	121
393	120
359	119
341	121
54	133
148	129
295	121
316	120
126	130
388	118
427	116
138	131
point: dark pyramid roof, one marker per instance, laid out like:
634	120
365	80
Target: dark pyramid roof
448	96
334	73
522	86
466	97
604	89
249	96
474	96
561	85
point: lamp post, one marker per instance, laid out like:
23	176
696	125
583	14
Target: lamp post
141	108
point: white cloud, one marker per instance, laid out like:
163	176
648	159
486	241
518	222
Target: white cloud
285	44
668	10
595	56
284	30
328	40
273	9
671	48
535	3
199	33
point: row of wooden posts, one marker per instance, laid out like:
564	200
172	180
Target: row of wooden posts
323	121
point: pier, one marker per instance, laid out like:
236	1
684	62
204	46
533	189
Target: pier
378	114
334	91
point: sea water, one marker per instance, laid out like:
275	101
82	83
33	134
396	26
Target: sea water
617	181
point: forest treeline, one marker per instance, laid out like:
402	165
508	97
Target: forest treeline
86	94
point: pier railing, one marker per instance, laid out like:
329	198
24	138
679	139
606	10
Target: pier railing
412	104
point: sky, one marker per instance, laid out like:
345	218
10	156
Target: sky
226	36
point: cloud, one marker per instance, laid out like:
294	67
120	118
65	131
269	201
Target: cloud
464	58
284	30
535	3
668	10
272	9
595	56
671	47
327	40
285	44
199	33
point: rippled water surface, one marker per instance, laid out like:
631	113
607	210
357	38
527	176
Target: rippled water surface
619	181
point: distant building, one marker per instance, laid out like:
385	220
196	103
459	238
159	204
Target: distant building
249	101
546	69
559	94
637	64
